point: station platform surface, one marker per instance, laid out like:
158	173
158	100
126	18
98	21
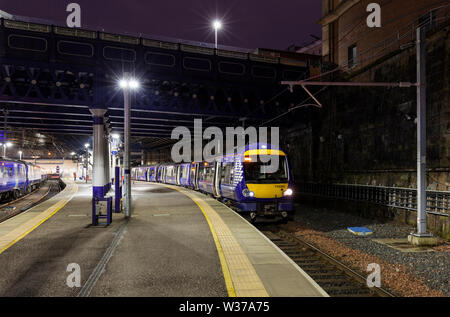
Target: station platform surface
177	243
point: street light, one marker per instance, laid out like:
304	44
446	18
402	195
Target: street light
5	145
127	84
217	25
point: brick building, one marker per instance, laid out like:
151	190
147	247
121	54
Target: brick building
348	41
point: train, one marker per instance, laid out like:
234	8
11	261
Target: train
241	180
18	178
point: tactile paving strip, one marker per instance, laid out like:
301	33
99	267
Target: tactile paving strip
238	270
16	228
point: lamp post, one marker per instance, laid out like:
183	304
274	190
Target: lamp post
217	25
5	145
20	155
127	84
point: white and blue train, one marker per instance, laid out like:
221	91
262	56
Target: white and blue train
18	178
239	179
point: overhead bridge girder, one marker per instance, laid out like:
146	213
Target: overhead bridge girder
71	71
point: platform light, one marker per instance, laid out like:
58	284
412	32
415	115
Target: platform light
86	145
115	136
130	83
133	84
123	83
217	25
73	153
8	144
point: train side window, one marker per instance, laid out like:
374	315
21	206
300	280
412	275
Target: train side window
10	172
226	174
184	172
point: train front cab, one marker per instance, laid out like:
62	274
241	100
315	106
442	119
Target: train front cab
265	191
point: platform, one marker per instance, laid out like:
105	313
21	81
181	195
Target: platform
177	243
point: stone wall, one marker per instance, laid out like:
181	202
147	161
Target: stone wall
368	135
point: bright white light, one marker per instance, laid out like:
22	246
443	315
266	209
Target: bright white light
217	25
264	146
20	152
73	153
123	83
86	145
9	144
133	84
288	192
251	194
115	136
129	83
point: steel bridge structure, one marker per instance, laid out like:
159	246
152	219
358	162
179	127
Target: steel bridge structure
52	76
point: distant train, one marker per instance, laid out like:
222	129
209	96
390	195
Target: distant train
242	180
18	178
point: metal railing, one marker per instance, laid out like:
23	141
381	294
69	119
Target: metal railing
438	202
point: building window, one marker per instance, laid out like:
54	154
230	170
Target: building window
352	56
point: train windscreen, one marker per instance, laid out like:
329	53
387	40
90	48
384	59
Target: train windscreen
258	169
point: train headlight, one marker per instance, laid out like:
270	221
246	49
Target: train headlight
288	192
247	193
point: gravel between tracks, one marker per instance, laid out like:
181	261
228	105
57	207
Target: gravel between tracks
404	273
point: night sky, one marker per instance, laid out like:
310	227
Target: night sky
247	23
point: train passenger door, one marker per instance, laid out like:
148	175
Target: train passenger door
178	174
197	166
217	176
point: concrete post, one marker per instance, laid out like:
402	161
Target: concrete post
98	171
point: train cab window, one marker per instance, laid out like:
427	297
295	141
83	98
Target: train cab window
261	171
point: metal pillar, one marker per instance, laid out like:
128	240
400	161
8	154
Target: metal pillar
126	154
98	173
421	135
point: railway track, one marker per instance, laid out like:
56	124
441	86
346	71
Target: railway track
337	279
15	207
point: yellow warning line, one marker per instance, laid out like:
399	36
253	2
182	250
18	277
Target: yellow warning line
25	228
240	276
